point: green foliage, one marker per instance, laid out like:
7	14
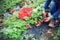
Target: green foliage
9	4
36	17
35	4
14	28
57	36
17	26
33	38
12	33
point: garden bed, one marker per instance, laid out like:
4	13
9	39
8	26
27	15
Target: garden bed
37	32
25	23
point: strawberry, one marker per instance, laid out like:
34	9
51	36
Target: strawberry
45	19
28	27
39	24
25	12
11	11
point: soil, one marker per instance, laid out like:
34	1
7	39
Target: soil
37	32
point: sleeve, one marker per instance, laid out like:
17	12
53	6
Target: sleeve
46	4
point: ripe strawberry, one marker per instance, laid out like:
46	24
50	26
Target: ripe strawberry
28	27
25	12
11	12
45	19
39	24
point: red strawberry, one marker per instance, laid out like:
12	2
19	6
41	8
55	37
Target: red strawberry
28	27
45	19
39	24
11	12
25	12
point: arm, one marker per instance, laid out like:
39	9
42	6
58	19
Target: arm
46	4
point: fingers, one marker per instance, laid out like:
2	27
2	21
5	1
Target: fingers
47	19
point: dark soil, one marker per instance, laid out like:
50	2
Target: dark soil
37	32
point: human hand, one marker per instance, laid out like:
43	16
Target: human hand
47	19
44	14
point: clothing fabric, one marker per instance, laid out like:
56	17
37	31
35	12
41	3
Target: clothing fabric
57	2
54	8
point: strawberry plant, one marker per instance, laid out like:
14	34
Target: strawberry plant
14	26
14	29
57	35
35	4
12	34
9	4
31	17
